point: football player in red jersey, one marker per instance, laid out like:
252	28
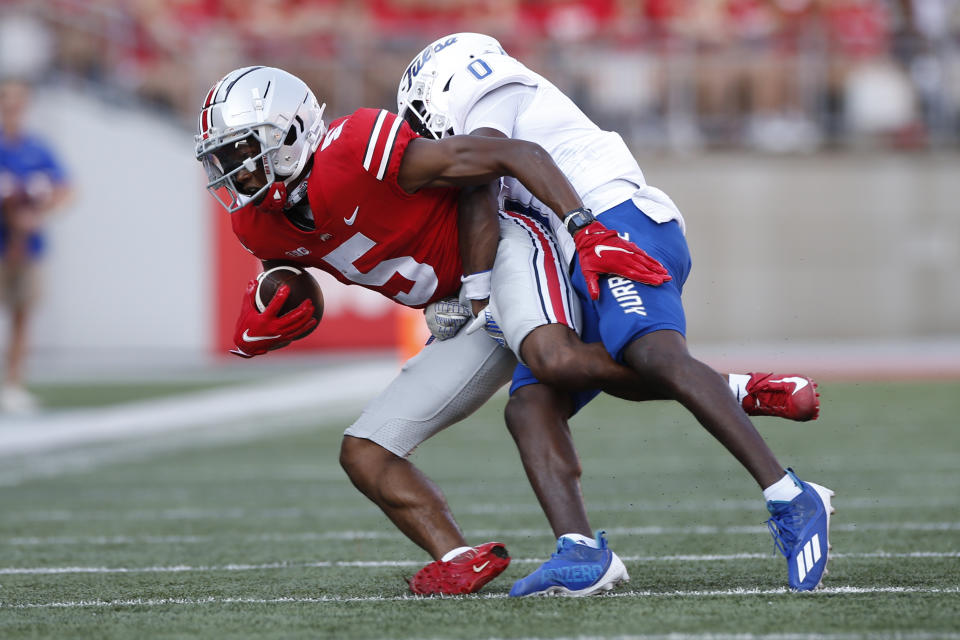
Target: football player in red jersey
371	202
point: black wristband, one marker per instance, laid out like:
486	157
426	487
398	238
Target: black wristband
578	219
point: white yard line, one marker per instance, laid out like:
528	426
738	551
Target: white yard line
310	536
872	635
162	602
236	513
380	564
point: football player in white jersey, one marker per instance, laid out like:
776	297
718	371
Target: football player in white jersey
467	84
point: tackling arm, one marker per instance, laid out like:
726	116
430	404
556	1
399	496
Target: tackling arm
471	160
476	159
479	231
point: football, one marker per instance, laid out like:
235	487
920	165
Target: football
302	286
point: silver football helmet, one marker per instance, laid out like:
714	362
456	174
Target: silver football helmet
422	98
256	118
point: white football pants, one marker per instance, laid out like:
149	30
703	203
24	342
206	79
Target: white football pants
450	379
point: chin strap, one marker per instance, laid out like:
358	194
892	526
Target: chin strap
298	194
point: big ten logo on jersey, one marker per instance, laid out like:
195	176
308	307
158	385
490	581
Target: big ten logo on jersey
332	135
299	252
417	65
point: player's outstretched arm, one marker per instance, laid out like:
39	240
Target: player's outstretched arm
478	226
460	161
475	159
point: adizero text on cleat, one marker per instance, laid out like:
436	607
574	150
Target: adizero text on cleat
576	569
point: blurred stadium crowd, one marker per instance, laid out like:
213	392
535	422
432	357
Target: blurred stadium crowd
774	75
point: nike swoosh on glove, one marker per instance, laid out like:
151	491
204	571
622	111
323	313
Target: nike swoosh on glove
256	333
601	251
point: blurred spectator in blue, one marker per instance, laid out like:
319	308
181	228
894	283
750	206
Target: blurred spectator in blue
32	185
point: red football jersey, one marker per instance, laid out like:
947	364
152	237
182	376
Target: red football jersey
369	231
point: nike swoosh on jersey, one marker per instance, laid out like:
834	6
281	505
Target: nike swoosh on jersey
249	338
478	569
600	248
350	220
798	382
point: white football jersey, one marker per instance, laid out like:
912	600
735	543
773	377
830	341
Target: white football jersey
598	163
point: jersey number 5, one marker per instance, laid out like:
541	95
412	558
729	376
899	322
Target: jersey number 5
423	276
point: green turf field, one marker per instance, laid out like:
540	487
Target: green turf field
268	538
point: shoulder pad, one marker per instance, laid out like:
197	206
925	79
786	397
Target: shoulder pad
482	76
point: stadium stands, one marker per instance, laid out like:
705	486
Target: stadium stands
771	75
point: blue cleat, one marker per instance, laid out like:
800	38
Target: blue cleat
574	570
801	530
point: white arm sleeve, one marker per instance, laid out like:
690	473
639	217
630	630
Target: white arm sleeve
500	108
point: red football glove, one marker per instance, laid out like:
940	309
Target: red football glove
256	333
602	251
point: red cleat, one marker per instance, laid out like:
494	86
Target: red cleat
466	573
784	396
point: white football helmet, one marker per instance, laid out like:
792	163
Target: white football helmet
421	97
257	117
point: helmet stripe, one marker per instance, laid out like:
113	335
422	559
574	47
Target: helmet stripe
205	123
235	80
213	92
213	89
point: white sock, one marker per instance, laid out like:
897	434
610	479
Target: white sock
738	384
579	538
450	555
783	490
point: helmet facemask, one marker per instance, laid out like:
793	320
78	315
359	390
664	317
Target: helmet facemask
225	159
429	123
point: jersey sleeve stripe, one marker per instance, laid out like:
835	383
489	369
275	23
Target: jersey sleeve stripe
388	148
372	142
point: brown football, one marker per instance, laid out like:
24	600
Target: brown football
302	286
